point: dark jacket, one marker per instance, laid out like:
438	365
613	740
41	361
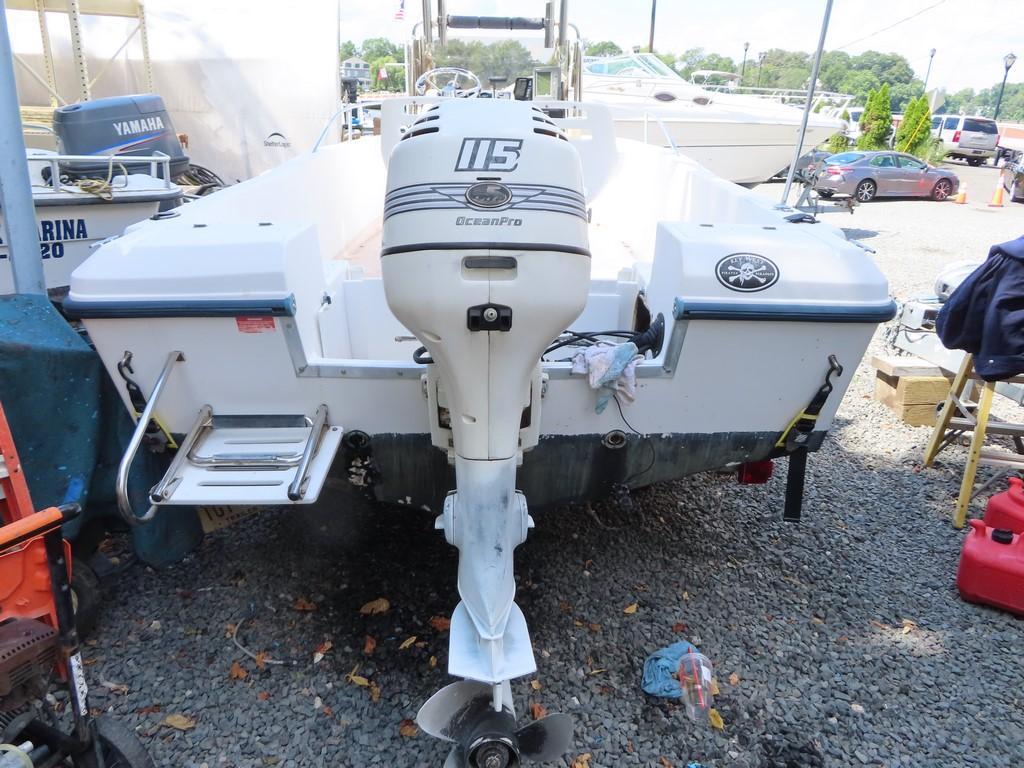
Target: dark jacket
985	314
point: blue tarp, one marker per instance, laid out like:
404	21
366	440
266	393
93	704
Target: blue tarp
70	426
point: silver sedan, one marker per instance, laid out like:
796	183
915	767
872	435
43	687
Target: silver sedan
867	175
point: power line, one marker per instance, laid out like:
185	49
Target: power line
895	24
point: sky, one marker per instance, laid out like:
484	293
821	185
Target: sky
971	37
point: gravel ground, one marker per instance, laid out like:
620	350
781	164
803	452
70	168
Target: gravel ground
837	642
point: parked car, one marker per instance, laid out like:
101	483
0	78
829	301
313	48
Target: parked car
867	175
973	139
1013	176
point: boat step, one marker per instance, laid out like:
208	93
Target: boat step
272	460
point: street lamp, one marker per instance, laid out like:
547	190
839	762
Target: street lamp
760	60
1008	60
743	68
931	55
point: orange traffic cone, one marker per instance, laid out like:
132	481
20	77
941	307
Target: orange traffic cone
961	194
997	196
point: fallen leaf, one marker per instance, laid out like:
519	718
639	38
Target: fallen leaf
583	761
714	687
734	679
407	643
152	709
593	672
630	609
302	604
535	684
374	692
261	659
118	688
324	647
816	620
440	623
878	624
665	762
380	605
237	671
564	607
328	711
229	630
369	645
263	695
355	679
678	627
408	729
629	746
179	722
594	627
90	662
577	623
908	626
686	595
715	719
433	661
537	710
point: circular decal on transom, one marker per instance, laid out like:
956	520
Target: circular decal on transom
488	194
746	272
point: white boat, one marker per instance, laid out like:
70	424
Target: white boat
274	328
73	216
744	138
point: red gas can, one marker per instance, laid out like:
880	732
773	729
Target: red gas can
992	568
1006	509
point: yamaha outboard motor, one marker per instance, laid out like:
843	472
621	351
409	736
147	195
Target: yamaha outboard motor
485	259
121	125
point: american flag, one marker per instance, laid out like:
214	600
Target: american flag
400	13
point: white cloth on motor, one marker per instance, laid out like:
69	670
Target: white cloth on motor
610	369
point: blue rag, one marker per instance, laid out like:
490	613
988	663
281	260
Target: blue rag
661	669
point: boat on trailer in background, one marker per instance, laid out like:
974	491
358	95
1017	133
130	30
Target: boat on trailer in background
448	315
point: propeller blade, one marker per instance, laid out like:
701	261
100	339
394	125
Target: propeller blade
546	739
441	715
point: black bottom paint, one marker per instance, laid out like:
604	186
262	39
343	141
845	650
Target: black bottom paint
565	468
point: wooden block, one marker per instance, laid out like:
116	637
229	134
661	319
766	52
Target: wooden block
912	398
905	366
918	415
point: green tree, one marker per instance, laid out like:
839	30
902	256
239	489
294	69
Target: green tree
603	48
914	134
838	143
876	122
380	47
348	50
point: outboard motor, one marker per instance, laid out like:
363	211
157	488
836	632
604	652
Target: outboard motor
485	259
120	125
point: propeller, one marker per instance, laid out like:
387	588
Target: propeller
463	714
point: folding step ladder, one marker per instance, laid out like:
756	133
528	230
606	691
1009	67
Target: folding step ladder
15	501
261	459
959	416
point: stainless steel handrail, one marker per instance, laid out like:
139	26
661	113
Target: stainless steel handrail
160	492
124	504
297	488
346	109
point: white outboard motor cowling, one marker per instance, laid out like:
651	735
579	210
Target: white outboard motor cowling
485	259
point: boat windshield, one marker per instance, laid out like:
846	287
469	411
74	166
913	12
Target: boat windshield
636	65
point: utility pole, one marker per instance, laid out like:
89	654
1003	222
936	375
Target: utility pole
931	55
760	60
1008	60
743	68
22	238
654	11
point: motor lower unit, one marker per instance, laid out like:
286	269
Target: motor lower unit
485	259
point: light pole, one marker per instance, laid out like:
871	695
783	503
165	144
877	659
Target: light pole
1008	60
654	10
931	55
760	60
743	68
